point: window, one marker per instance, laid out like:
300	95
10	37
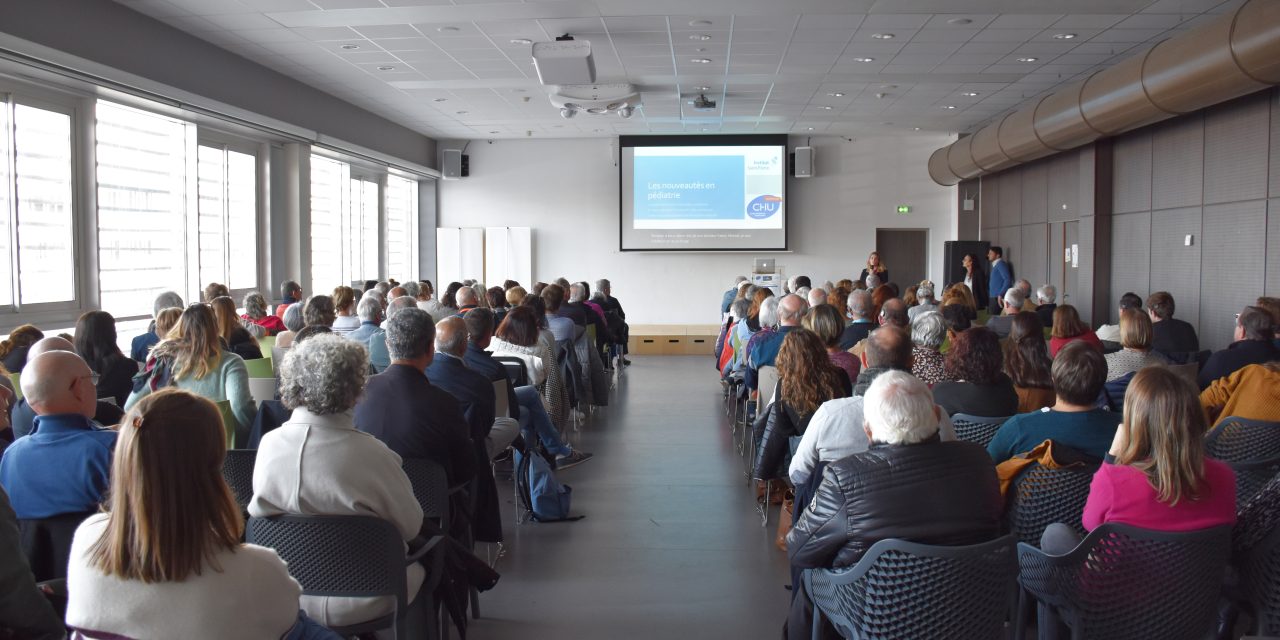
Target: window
37	198
362	232
228	217
402	230
141	169
329	183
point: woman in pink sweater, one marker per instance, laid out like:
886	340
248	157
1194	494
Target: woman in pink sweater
1156	475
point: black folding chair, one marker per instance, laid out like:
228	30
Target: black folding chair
1041	496
1242	440
237	470
977	429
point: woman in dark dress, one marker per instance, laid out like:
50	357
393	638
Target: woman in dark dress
875	266
974	277
977	385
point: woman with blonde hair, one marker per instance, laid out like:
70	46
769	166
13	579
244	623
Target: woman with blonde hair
1135	337
233	334
874	266
165	559
166	320
344	305
192	358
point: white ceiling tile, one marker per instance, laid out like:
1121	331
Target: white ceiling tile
1023	21
895	21
820	35
1088	21
454	44
1005	35
558	27
988	47
959	68
347	4
388	31
944	35
945	21
931	47
1181	6
849	21
328	33
1151	21
761	35
636	23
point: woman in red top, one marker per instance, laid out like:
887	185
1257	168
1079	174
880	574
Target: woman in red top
1067	327
1156	475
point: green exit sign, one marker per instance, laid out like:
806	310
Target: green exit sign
902	208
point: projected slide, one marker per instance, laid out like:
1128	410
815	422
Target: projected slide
708	197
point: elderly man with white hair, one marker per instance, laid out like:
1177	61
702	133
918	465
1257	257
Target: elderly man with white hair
64	465
1046	296
764	351
909	484
369	310
142	344
860	308
1028	296
379	357
927	303
817	296
1012	303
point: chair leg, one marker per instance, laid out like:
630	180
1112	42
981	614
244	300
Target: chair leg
475	603
815	632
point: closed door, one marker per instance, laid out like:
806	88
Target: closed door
1070	255
904	252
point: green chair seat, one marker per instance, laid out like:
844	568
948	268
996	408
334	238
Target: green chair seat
229	423
259	368
17	388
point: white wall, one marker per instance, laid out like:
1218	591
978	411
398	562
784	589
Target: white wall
567	190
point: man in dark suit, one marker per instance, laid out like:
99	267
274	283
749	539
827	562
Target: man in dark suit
413	417
1169	335
860	312
604	297
1254	336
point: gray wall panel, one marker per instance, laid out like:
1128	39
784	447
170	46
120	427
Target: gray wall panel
1132	188
1010	198
1233	255
1085	286
1035	259
1130	256
1235	149
990	201
1273	248
1274	192
1011	240
1176	267
1055	257
1064	187
1177	163
1035	193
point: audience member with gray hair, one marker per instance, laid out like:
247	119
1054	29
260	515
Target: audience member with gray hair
1046	297
369	311
316	463
63	466
142	344
925	302
859	499
928	331
768	313
467	299
860	307
379	355
727	299
1003	324
872	282
411	289
255	311
293	323
816	296
763	348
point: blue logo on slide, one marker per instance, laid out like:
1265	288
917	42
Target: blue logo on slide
764	206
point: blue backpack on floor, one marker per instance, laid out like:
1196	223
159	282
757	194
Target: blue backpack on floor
543	497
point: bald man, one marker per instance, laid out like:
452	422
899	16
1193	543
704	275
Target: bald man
64	466
23	416
791	309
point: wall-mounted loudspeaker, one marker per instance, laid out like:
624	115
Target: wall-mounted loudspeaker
454	165
802	162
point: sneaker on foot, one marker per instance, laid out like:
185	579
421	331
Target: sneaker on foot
574	458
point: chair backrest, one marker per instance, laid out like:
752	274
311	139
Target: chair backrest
1114	390
1043	496
431	487
767	381
47	543
343	556
229	422
262	389
1252	476
1260	583
237	470
517	370
259	368
902	589
1241	440
501	403
1124	582
266	343
277	357
976	428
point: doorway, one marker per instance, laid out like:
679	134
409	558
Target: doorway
905	253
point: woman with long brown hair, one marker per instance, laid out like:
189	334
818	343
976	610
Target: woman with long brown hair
192	358
828	324
1067	327
232	331
1027	362
165	560
807	378
96	343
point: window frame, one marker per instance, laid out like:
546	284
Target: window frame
206	137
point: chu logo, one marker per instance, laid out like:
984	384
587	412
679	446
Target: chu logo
764	206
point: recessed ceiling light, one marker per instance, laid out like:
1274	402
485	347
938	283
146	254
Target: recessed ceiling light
1028	59
948	106
521	41
882	36
699	23
448	29
493	132
700	36
811	128
825	108
703	88
1063	36
970	94
915	128
700	60
350	47
386	67
836	94
955	21
864	59
439	99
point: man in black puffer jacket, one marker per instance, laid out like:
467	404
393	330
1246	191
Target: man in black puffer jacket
908	485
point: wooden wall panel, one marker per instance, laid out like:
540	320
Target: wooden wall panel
1176	267
1233	255
1236	144
1035	193
1177	163
1130	256
1131	190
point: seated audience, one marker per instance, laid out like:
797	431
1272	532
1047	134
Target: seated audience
347	473
731	294
429	303
604	297
369	311
64	465
1003	324
450	298
833	431
13	350
1252	392
576	307
1028	304
1111	332
215	290
1156	475
192	359
292	319
1067	327
235	337
926	303
1046	297
344	305
976	385
956	316
768	318
1027	362
290	293
413	417
791	310
807	378
880	295
893	313
379	356
960	295
1170	336
909	298
96	343
928	331
555	393
816	297
497	299
860	500
165	560
1254	343
1074	418
467	300
255	311
839	298
22	417
562	327
825	322
1271	305
862	320
142	344
25	612
1135	338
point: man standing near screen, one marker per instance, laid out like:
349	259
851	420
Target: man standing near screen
1001	279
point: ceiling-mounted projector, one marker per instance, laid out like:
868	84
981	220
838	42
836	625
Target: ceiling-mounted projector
703	103
565	61
596	99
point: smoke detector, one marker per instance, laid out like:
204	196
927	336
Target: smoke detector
703	103
596	99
